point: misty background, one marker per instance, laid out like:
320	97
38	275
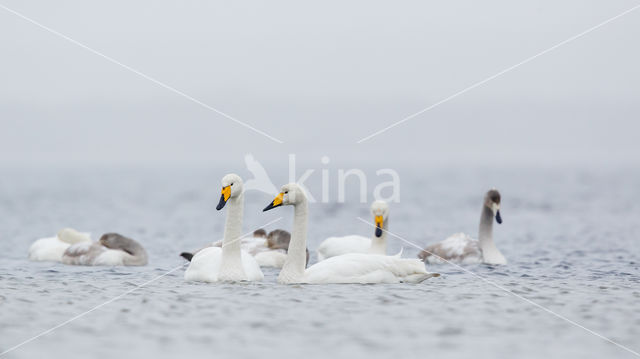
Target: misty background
319	77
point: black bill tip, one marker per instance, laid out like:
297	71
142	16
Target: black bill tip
186	255
498	217
221	203
378	232
270	206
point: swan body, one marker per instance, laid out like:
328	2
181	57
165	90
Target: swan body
347	268
335	246
272	258
228	262
53	248
205	266
111	250
94	254
461	248
366	268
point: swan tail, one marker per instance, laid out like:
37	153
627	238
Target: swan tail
399	253
186	255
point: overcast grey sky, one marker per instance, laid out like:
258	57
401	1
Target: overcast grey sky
319	76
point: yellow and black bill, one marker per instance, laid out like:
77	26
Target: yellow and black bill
379	221
277	202
224	197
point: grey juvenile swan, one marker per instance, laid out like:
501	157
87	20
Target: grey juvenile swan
461	248
111	250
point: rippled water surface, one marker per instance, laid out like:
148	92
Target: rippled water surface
571	237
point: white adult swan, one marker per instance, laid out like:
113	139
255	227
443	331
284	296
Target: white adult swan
461	248
112	249
52	248
229	263
347	268
335	246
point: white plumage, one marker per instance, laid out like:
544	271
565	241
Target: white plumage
346	268
366	268
228	262
377	244
52	248
271	258
335	246
205	266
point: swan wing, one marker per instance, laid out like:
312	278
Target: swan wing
205	265
48	249
83	253
367	268
336	246
458	248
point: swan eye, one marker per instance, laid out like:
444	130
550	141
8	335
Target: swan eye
285	192
231	184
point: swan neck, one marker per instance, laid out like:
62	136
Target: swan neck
379	244
490	253
137	255
231	243
485	233
294	266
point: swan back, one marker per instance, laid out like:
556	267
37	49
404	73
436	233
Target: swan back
71	236
367	268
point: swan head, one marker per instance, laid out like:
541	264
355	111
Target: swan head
380	211
492	201
260	233
118	241
290	194
231	187
71	236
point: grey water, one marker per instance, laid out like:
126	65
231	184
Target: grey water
570	235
